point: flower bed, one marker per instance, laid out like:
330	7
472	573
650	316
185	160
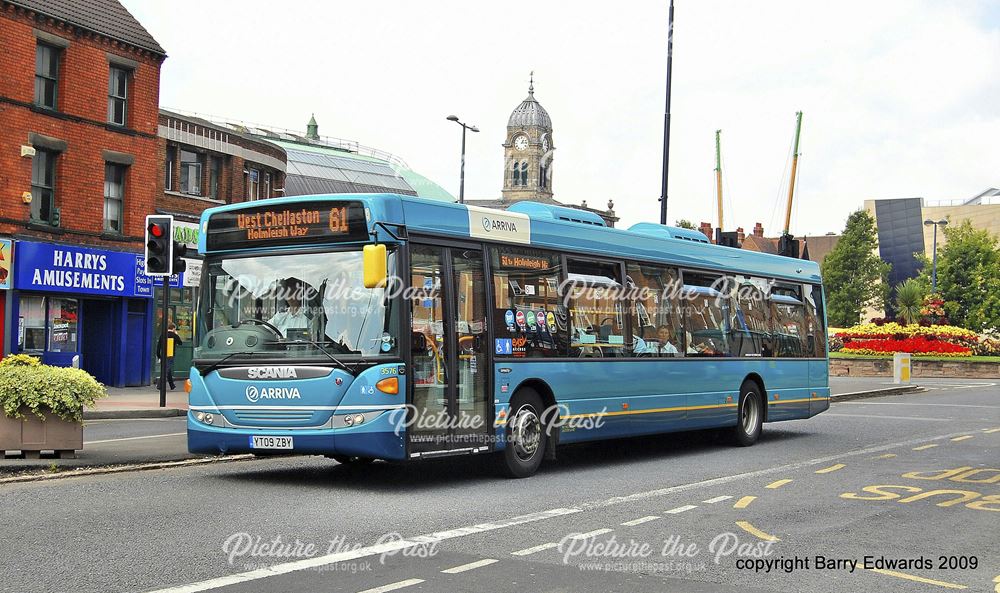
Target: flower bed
917	346
883	339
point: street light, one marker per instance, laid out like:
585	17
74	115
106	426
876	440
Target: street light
936	224
461	184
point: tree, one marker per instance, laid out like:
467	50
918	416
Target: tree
968	276
910	295
685	224
854	275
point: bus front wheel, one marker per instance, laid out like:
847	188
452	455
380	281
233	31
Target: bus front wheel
526	435
750	415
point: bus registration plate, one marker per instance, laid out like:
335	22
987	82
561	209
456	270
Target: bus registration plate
269	442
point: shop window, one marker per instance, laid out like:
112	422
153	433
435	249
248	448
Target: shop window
751	323
46	75
118	96
788	314
594	292
114	197
528	308
190	172
62	325
706	315
31	331
655	309
43	184
815	331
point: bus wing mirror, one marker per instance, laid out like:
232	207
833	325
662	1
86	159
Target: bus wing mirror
375	268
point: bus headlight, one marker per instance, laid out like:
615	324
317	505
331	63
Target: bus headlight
199	416
209	419
359	418
349	420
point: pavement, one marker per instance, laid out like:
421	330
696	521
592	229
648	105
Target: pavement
910	483
139	402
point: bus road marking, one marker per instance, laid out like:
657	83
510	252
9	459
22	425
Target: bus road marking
991	430
911	577
534	549
885	456
777	484
925	447
716	499
832	468
591	534
962	438
148	436
744	502
686	507
641	520
470	566
745	526
394	586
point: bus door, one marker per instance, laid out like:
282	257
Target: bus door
449	350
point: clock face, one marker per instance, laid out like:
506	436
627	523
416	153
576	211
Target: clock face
545	143
521	143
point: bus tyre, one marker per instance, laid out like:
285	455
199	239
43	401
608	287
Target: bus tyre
750	416
351	460
525	435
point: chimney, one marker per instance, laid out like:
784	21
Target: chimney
706	229
758	231
740	235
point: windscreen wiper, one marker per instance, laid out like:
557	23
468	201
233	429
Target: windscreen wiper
321	349
219	362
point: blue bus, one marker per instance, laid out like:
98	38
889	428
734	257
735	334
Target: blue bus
380	326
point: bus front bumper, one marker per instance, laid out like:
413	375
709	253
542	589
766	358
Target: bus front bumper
377	440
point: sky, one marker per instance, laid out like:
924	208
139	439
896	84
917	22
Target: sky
900	98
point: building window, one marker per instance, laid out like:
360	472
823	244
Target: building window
267	185
114	197
214	174
46	75
43	183
32	311
515	176
62	325
524	173
168	170
253	184
190	172
118	96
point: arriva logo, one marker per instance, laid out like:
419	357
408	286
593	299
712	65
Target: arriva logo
254	394
271	373
498	225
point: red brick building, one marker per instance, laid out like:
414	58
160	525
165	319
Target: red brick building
79	94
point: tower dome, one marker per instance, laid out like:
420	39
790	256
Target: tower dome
530	112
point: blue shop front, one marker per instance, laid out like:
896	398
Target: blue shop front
86	307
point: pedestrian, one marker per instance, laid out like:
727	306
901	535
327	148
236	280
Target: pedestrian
173	341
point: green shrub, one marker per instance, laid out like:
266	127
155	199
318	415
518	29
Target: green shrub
20	360
31	387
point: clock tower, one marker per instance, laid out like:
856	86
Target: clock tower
528	152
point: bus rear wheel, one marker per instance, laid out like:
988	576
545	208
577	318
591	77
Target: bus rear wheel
750	415
525	435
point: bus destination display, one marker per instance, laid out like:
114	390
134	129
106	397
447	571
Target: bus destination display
289	224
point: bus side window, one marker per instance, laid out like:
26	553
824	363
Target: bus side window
789	316
815	332
597	325
653	292
528	313
750	334
706	315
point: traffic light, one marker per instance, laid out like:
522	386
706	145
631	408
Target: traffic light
159	245
180	250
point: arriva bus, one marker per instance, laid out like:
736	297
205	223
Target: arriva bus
378	326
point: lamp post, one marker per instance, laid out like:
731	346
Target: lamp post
936	224
461	183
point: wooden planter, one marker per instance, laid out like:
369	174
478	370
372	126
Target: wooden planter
31	435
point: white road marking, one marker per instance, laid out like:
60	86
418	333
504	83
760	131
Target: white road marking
534	549
591	534
640	520
911	404
289	567
470	566
150	436
716	499
889	417
394	586
686	507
